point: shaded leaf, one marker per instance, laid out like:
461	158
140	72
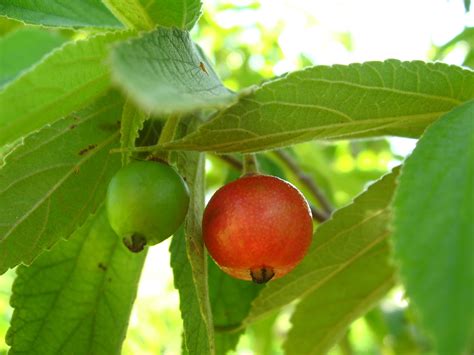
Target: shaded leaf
131	124
181	14
230	302
60	13
51	183
434	233
65	80
22	48
333	279
189	258
146	14
338	102
193	322
165	72
77	298
131	13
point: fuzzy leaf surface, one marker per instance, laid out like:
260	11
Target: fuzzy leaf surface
164	71
65	80
22	48
434	230
51	183
338	102
77	298
60	13
333	277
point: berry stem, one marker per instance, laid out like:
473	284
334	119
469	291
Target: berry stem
167	134
250	164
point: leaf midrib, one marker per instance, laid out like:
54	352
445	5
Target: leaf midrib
390	120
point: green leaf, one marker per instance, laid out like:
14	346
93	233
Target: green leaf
64	81
165	72
131	124
131	13
22	48
146	14
338	102
77	298
51	183
193	322
230	301
344	273
60	13
189	258
434	230
182	14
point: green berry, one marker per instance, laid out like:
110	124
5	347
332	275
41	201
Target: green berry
146	203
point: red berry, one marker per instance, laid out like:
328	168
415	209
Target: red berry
257	228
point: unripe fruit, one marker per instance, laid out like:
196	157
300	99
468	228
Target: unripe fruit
146	202
257	228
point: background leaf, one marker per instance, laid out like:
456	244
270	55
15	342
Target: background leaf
338	102
60	13
62	82
334	279
22	48
50	184
77	298
434	233
131	124
165	72
466	38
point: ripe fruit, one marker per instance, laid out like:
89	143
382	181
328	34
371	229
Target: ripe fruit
257	228
146	203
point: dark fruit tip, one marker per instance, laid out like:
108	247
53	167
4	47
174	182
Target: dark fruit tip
262	274
136	243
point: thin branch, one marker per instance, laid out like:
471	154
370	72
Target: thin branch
233	162
305	179
318	215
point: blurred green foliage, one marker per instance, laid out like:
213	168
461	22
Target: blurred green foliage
245	53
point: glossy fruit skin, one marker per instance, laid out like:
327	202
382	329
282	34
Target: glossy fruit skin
257	228
146	201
